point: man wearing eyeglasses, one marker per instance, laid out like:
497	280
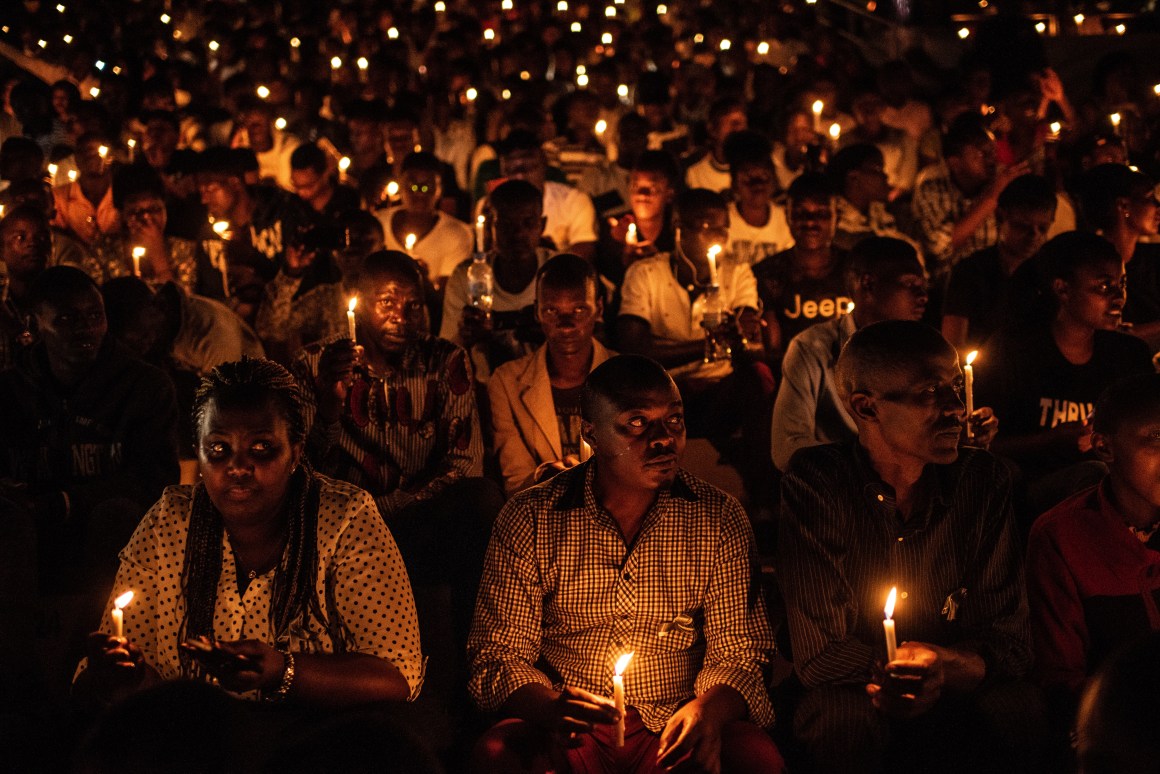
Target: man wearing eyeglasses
535	401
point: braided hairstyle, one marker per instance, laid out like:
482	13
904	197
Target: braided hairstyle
252	383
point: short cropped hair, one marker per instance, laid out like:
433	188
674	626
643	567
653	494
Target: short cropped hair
883	348
621	380
567	272
697	201
422	161
747	148
58	283
392	263
518	141
1064	255
513	194
849	159
1102	185
220	161
1133	398
966	131
811	186
136	181
309	156
885	258
659	162
1028	193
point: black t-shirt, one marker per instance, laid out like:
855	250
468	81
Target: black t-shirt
978	289
800	302
567	404
1032	387
1143	305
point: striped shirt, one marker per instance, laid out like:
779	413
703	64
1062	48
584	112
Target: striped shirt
404	435
562	597
937	205
955	562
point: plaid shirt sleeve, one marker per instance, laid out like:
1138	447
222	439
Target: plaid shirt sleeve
933	207
505	635
737	633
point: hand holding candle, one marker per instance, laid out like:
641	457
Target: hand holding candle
119	614
618	696
350	327
969	388
888	626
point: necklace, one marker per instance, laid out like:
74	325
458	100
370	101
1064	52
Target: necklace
268	560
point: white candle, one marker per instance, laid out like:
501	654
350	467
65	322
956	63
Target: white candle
835	133
138	254
618	696
714	251
343	166
52	172
1115	119
630	237
222	228
817	109
72	175
479	235
601	128
119	615
350	317
888	626
410	242
969	388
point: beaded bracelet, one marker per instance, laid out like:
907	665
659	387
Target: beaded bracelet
287	677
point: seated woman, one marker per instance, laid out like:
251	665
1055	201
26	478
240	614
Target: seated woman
291	577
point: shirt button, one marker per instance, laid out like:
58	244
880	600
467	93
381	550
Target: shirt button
628	576
904	595
900	539
881	498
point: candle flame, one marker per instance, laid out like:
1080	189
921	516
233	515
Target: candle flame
344	163
762	48
974	353
714	251
601	126
480	220
103	151
392	188
410	241
1115	119
363	63
221	227
1056	127
890	600
123	600
350	305
138	252
72	175
835	130
818	107
622	663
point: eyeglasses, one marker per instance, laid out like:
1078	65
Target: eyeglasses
152	212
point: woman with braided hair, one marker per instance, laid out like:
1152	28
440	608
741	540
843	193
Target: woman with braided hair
267	578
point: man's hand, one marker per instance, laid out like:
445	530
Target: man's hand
984	427
335	375
912	683
576	711
691	740
1004	176
749	322
474	327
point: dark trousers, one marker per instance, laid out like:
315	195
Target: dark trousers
1001	727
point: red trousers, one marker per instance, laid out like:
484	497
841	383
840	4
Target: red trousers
519	746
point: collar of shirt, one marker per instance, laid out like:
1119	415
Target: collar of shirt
933	490
580	493
1118	525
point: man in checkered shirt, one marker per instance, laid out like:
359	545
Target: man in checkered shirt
624	553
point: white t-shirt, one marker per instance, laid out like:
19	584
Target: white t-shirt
753	244
442	248
455	296
570	214
651	292
707	173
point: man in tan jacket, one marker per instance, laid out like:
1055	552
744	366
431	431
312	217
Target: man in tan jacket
535	401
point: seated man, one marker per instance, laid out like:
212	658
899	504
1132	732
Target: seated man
312	180
624	554
508	331
888	283
535	401
1093	560
396	416
903	506
978	287
858	174
806	283
757	225
88	435
712	171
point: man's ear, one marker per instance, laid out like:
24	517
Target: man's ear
1103	446
599	305
863	406
586	433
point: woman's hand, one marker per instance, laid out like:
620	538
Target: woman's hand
263	672
115	667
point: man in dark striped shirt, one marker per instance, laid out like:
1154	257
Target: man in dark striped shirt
905	507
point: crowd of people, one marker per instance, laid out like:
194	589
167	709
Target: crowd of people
362	345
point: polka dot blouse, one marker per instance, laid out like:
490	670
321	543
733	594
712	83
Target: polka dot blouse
362	587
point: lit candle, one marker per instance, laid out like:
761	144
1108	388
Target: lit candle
618	696
1056	128
392	189
119	613
714	251
343	166
350	317
410	242
222	229
835	133
72	175
817	109
601	128
1115	119
969	387
630	237
103	151
888	626
52	172
263	92
138	254
132	143
763	48
479	235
